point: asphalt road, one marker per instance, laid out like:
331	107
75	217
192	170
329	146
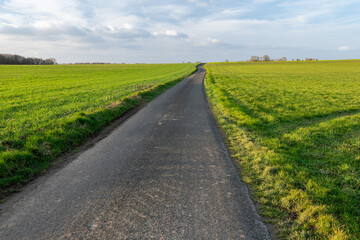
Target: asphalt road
162	174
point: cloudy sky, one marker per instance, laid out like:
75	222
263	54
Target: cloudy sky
179	30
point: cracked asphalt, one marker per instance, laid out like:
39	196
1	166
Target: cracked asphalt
164	173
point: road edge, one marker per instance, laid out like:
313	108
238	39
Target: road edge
271	229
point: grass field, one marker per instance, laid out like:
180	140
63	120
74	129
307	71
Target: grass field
48	110
294	128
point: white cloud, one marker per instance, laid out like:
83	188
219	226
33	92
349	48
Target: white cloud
49	32
344	48
167	12
199	3
171	33
137	28
46	10
264	1
209	42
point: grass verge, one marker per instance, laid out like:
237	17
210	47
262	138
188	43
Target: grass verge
294	130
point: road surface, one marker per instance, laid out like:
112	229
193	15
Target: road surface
162	174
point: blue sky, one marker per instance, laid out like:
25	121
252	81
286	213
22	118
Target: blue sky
176	31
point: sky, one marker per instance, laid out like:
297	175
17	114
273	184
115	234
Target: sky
165	31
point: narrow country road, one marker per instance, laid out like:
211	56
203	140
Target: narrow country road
162	174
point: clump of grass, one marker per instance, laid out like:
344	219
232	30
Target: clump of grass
294	128
49	110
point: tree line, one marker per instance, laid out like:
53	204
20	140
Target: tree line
14	59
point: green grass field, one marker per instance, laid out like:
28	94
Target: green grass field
294	128
48	110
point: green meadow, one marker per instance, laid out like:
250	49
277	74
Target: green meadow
294	130
48	110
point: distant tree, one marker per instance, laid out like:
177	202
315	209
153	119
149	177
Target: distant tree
18	59
266	57
13	59
283	59
226	60
254	58
50	61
